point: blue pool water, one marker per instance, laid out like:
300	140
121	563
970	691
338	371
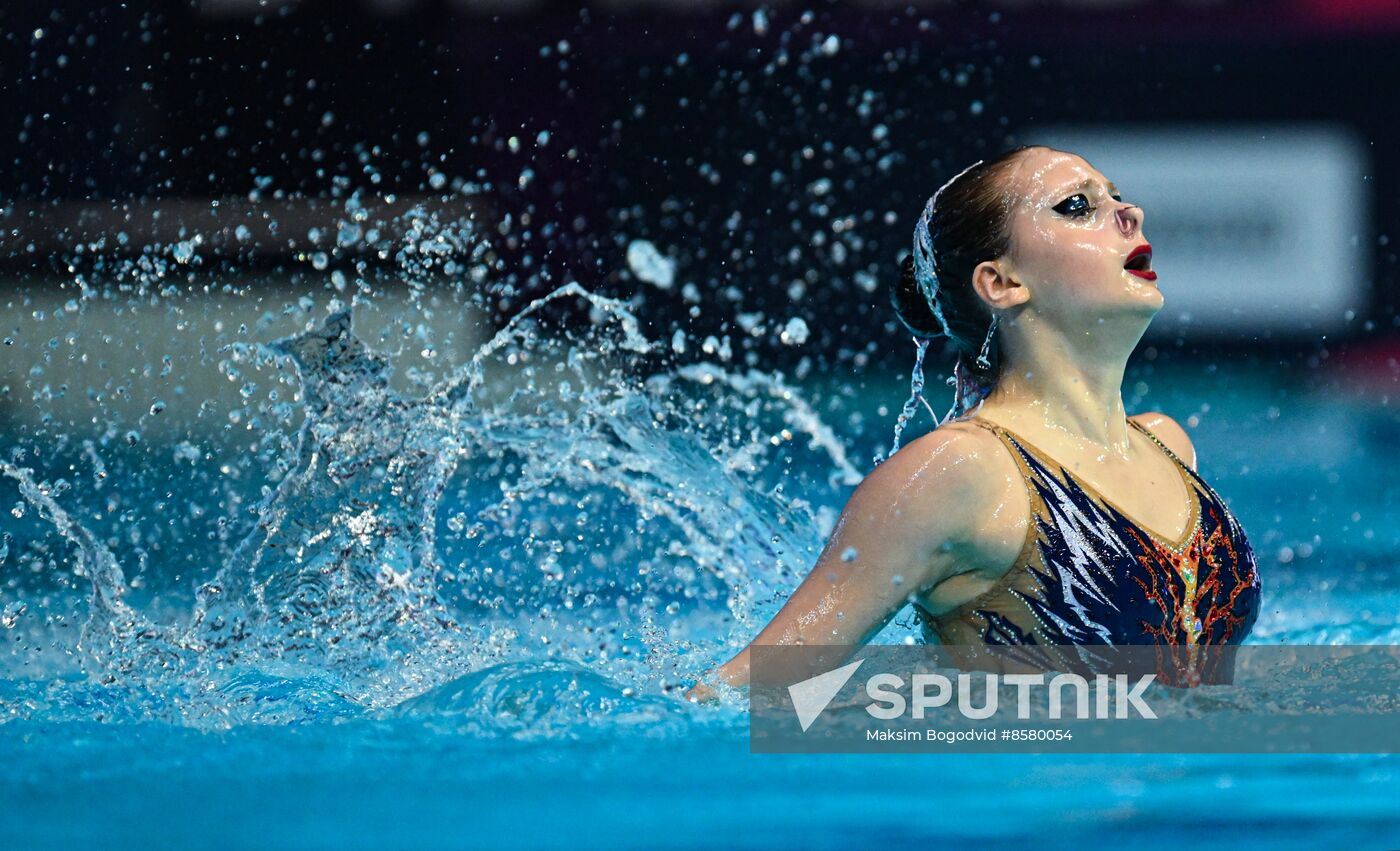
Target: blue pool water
461	613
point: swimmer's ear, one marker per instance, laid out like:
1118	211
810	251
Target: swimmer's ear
992	280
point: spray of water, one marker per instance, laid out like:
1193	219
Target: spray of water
541	534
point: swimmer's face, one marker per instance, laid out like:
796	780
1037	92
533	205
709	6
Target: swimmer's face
1071	235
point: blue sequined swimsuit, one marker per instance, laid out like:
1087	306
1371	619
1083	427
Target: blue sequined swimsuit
1088	574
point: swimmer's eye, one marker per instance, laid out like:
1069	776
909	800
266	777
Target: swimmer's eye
1075	206
1078	205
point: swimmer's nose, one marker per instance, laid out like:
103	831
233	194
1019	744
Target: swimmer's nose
1129	219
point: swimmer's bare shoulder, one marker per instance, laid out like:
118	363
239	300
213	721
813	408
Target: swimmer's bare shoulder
954	478
914	521
994	515
1170	432
974	469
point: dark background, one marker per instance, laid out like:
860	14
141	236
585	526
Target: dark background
650	110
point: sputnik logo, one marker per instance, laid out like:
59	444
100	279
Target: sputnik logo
811	697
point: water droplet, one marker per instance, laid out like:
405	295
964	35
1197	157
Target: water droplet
795	333
649	265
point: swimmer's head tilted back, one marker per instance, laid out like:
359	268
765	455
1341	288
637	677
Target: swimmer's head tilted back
1031	219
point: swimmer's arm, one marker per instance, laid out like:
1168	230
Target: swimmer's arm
1171	433
899	534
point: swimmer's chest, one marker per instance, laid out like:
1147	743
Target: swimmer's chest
1007	540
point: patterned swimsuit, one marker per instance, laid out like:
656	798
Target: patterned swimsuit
1088	574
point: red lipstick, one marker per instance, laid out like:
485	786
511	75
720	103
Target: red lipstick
1139	262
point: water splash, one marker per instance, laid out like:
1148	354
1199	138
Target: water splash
117	638
595	515
916	396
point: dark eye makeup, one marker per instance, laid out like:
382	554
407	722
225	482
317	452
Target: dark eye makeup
1077	205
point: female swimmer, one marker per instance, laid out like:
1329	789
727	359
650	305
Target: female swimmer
1038	511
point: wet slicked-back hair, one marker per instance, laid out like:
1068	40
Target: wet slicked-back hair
968	223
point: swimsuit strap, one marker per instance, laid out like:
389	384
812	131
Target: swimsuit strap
1165	448
1002	431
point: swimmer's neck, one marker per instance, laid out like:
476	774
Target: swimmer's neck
1080	399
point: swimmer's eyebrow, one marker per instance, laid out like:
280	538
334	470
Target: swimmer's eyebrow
1087	183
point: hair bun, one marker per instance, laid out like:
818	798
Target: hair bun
909	303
